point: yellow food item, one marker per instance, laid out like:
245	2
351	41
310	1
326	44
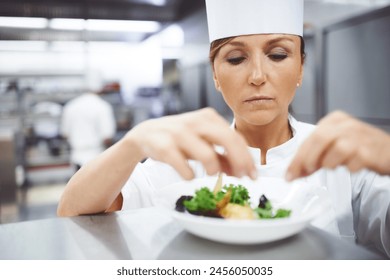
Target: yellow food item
236	211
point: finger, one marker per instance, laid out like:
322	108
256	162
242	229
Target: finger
338	154
198	149
214	129
359	160
354	164
165	150
308	157
235	149
295	169
225	166
179	162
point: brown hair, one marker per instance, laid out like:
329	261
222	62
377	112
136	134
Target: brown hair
216	45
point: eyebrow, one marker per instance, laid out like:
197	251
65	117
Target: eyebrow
268	43
277	40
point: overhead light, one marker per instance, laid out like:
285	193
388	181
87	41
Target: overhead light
157	2
104	25
152	2
67	24
81	24
23	22
122	25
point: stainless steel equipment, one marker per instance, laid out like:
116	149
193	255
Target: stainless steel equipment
8	186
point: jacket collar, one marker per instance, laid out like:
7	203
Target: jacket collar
278	153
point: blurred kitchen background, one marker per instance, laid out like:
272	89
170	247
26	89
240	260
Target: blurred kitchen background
152	58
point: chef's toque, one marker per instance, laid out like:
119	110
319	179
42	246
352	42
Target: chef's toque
228	18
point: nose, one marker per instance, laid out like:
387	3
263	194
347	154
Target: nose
257	74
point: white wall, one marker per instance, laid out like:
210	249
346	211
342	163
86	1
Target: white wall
134	65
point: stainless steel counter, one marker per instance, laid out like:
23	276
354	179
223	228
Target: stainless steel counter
152	234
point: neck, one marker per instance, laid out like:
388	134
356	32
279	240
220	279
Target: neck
265	136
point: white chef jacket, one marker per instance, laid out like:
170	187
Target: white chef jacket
360	202
86	122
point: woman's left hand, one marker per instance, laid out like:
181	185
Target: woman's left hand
340	139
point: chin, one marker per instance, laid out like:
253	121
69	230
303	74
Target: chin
259	118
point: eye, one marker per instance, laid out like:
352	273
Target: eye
277	56
235	60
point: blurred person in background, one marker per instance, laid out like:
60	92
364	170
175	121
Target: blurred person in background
88	123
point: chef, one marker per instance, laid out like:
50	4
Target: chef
257	57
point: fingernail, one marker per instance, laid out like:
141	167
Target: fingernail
289	176
240	174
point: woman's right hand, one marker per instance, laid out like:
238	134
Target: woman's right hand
97	186
177	139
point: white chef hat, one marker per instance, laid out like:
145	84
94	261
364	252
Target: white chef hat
228	18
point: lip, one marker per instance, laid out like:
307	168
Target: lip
258	98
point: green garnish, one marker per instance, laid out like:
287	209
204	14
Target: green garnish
204	202
282	213
268	213
239	195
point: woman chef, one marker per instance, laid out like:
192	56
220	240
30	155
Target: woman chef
257	56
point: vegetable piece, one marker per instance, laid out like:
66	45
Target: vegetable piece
180	202
203	203
240	195
263	200
237	211
282	213
218	184
266	211
224	200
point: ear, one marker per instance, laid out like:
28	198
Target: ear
216	83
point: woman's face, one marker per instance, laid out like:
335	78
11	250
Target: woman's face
258	75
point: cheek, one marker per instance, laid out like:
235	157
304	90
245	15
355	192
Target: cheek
288	79
289	73
289	83
229	82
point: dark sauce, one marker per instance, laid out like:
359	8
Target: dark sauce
180	202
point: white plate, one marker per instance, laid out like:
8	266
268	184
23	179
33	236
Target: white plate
306	202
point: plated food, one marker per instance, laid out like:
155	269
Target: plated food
231	202
304	201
